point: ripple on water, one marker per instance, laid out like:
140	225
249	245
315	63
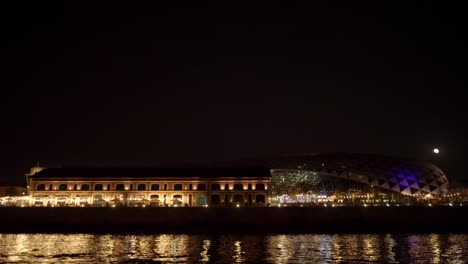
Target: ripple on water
282	248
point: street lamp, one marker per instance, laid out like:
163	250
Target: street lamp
436	151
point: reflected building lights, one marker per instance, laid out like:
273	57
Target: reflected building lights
238	254
205	257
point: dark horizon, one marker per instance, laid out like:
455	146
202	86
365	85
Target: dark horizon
150	84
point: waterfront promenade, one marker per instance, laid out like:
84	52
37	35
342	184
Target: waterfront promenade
234	220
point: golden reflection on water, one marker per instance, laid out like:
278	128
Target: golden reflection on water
389	245
171	248
205	257
435	245
237	257
371	248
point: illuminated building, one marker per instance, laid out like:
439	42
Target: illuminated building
355	179
328	179
149	187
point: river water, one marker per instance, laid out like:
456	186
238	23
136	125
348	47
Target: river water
313	248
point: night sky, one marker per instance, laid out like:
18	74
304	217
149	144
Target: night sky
151	84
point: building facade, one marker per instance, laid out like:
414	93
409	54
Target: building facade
150	187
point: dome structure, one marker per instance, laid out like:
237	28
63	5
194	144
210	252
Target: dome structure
397	175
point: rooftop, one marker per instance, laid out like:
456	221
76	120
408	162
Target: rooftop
151	172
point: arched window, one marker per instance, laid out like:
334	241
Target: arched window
178	187
201	186
40	187
155	187
238	199
120	187
260	198
215	199
260	186
85	187
238	187
177	199
141	187
215	187
98	187
62	187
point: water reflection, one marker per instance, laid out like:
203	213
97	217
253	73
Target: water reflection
205	257
371	248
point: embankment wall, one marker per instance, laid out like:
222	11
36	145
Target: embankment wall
234	220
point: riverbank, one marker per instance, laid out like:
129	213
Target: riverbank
235	220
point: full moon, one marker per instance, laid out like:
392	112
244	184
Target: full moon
436	151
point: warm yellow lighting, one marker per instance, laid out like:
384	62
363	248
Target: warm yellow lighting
237	205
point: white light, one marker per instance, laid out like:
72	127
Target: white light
388	205
430	204
450	204
237	205
436	151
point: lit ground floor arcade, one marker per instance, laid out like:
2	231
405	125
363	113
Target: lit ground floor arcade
151	199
